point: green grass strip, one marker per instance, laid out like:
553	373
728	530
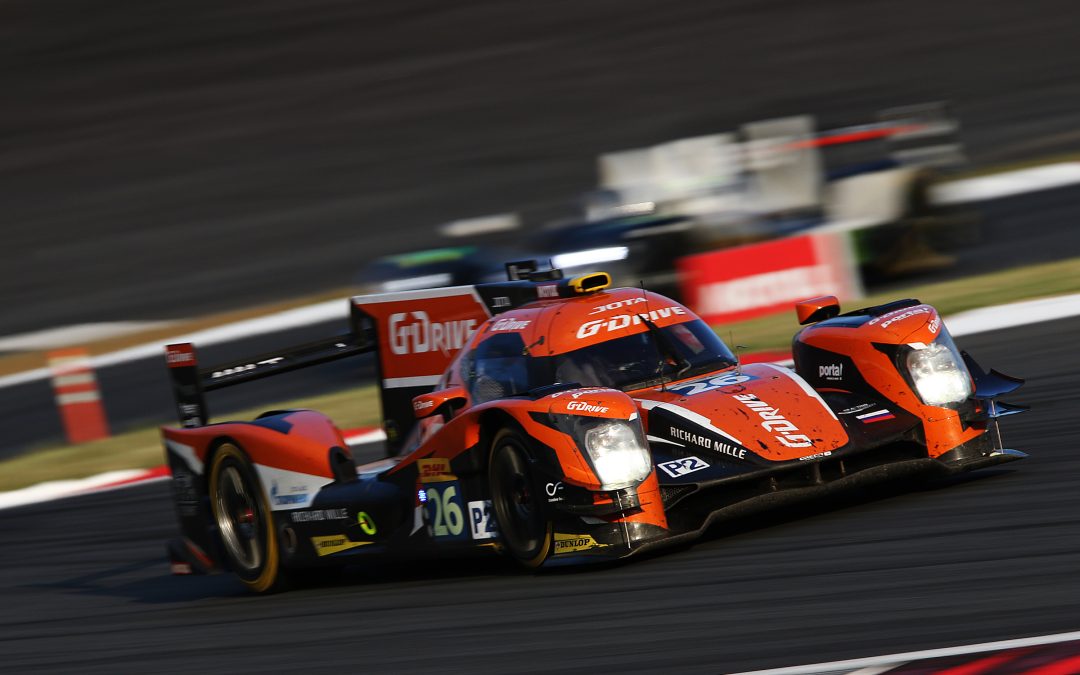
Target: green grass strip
359	407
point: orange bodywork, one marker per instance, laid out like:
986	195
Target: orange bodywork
919	324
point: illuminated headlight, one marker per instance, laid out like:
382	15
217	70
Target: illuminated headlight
618	454
939	374
590	257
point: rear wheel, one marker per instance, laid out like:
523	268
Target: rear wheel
519	510
244	521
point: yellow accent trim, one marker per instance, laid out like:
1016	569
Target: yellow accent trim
572	543
595	285
335	543
366	523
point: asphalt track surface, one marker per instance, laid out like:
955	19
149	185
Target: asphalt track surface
1022	230
989	557
163	159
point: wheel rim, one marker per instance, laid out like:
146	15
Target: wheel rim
238	518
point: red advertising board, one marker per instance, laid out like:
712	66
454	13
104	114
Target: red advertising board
750	281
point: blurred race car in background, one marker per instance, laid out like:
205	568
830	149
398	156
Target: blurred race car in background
433	268
872	183
559	422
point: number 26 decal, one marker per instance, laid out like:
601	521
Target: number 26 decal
691	388
445	514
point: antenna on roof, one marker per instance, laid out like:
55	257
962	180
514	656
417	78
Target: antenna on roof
656	341
736	348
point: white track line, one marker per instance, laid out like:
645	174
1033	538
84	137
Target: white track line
79	334
1013	315
966	323
58	489
114	480
271	323
1008	184
898	659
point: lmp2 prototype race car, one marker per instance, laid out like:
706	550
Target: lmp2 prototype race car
557	422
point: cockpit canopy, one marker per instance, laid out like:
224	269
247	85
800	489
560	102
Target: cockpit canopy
639	356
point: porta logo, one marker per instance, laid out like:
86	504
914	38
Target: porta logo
832	371
416	333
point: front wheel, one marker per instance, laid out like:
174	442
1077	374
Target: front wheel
244	521
523	524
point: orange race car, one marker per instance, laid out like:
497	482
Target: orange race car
560	422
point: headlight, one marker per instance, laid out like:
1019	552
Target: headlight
939	374
618	454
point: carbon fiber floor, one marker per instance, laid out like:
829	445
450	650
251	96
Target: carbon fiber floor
85	587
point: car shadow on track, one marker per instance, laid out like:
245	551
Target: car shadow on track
148	580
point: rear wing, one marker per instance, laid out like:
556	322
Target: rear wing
415	335
190	383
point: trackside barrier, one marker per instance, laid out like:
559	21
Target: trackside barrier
77	395
745	282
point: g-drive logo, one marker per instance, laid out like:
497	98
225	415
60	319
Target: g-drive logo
415	333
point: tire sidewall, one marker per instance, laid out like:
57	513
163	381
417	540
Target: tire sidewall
515	440
267	576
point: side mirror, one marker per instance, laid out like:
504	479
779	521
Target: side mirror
817	309
425	405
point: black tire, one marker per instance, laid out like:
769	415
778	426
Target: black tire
524	527
244	521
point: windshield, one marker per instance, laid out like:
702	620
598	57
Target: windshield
645	359
502	366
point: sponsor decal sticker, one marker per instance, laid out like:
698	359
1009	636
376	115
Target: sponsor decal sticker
292	495
434	470
510	324
621	321
245	367
335	543
934	325
708	443
482	520
619	304
875	416
702	386
898	315
856	408
817	456
773	421
445	512
554	492
572	543
422	404
367	524
316	515
578	393
179	355
416	333
681	467
832	371
547	291
583	406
